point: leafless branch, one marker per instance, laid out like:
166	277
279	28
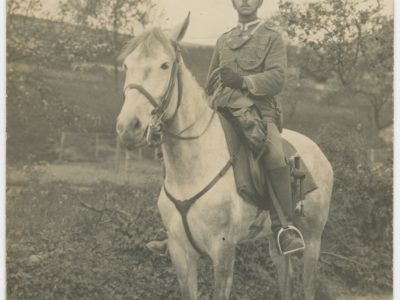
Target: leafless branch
127	218
344	258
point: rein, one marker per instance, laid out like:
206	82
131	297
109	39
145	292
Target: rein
159	108
156	130
180	137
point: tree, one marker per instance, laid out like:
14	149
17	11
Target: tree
115	16
346	38
23	7
374	78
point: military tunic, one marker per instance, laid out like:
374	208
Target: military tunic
258	53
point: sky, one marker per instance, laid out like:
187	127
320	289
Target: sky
209	18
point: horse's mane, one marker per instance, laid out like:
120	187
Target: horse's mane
147	40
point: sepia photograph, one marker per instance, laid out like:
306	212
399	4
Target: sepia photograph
199	149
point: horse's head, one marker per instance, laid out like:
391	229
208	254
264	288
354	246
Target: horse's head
151	63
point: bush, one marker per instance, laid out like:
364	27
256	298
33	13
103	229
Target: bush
59	44
36	117
360	222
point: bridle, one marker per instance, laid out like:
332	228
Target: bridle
156	130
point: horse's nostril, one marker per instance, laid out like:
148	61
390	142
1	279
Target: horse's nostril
135	124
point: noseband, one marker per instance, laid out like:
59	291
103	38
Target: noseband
161	106
155	136
154	130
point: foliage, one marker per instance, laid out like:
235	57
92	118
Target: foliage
36	117
54	44
39	54
85	242
360	222
91	242
378	56
112	15
352	40
25	7
308	64
91	245
334	29
77	253
54	249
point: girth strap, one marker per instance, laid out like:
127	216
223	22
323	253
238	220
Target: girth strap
183	206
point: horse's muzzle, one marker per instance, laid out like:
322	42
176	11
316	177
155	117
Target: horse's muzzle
131	135
130	141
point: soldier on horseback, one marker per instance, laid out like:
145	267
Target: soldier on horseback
248	68
250	63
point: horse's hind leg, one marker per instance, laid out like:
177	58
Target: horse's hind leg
185	262
310	260
223	262
279	262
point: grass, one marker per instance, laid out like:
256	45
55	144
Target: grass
95	93
78	231
83	236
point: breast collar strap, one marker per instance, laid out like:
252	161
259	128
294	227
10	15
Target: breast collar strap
154	135
183	206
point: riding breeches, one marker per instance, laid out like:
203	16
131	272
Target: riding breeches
264	138
262	135
274	157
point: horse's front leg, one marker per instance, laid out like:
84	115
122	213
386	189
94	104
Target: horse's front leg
223	258
185	263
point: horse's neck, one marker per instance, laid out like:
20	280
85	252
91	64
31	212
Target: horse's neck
194	162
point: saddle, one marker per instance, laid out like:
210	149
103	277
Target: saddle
250	176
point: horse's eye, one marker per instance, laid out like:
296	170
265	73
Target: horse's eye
165	66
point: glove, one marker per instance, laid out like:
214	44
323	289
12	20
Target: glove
230	78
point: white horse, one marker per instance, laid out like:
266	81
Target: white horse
160	91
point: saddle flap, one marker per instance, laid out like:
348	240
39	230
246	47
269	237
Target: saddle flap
249	175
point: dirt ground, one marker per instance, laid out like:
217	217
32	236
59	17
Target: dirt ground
137	173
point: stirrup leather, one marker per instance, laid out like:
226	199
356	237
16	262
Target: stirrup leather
278	240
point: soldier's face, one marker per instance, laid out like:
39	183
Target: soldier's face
246	7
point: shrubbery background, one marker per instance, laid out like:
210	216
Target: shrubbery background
75	242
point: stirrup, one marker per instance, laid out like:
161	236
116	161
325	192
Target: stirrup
298	233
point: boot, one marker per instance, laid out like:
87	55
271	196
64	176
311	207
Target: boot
158	247
290	240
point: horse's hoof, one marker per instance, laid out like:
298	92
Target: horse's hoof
159	248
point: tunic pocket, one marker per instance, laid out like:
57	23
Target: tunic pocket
264	49
250	65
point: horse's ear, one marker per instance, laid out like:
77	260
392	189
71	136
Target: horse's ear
179	31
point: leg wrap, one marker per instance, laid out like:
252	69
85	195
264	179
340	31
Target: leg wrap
280	181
